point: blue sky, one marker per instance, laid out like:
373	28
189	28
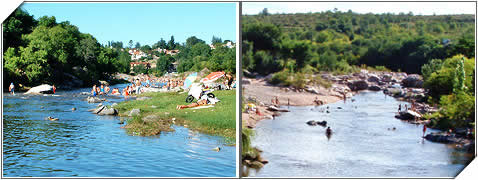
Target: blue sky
417	8
144	22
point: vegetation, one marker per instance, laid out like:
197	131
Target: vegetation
219	120
340	41
451	85
45	51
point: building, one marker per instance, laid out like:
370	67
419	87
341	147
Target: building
146	64
137	54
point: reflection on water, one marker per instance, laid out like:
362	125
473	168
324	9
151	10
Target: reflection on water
367	141
87	145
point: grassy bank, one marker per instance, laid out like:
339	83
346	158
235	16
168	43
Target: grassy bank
157	114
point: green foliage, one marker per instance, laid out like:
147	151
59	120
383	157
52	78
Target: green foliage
16	25
138	69
339	41
164	64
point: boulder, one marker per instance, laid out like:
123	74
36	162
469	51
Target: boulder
99	109
108	111
273	108
374	88
41	89
413	80
134	112
373	78
104	83
150	118
312	90
387	78
357	85
311	123
90	99
440	137
246	81
408	115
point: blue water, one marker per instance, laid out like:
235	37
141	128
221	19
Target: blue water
361	144
86	145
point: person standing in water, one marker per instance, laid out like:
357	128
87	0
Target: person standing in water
54	89
11	88
424	129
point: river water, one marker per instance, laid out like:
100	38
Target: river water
86	145
361	144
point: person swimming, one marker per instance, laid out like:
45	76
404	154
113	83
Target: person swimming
328	132
93	91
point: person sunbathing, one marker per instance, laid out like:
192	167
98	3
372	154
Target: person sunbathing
201	102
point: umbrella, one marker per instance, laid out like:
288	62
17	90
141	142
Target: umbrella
213	77
189	80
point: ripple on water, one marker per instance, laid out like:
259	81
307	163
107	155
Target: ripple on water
83	144
361	144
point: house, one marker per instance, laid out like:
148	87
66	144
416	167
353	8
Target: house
170	52
146	64
137	54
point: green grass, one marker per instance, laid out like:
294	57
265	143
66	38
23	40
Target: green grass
219	120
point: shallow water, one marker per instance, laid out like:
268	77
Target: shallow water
361	144
86	145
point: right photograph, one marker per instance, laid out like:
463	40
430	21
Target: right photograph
357	89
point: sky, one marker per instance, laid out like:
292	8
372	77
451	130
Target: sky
145	23
417	8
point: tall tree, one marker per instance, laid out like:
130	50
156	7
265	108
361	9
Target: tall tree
171	44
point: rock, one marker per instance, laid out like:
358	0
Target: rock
134	112
91	99
440	137
41	89
408	115
104	83
322	123
387	78
311	123
150	118
357	85
246	81
374	88
413	80
312	90
273	108
99	109
257	164
373	78
108	111
114	104
143	98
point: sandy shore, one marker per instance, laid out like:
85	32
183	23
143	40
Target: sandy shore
262	92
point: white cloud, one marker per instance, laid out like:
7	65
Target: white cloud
417	8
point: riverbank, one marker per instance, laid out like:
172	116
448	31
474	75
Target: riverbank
155	112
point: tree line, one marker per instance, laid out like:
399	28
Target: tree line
47	51
338	41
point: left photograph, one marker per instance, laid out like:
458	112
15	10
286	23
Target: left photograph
120	90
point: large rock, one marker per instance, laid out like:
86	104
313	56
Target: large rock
413	80
374	88
273	108
134	112
143	98
99	109
387	78
90	99
41	89
373	78
357	85
408	115
108	111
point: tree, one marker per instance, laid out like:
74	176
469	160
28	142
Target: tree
16	25
216	40
130	44
264	12
138	45
171	44
191	41
163	64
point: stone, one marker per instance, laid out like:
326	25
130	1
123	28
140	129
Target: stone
108	111
114	104
311	123
93	99
413	80
408	115
374	88
41	89
99	109
373	78
151	118
273	108
134	112
357	85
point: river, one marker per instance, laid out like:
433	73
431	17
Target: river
87	145
363	143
